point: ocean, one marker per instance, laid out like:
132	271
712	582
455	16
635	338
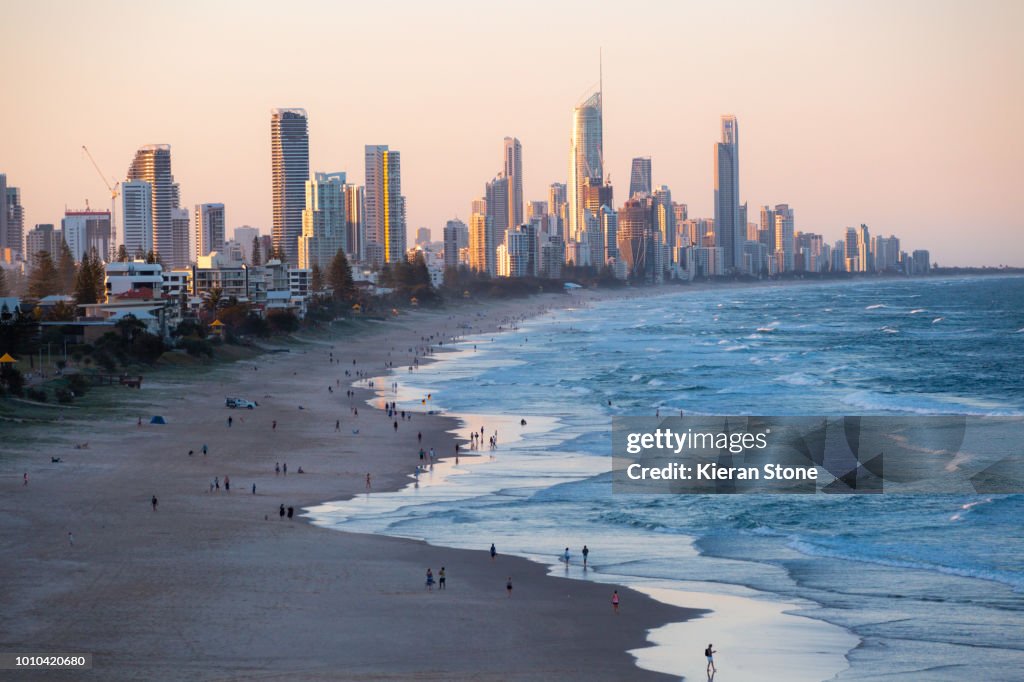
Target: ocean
801	587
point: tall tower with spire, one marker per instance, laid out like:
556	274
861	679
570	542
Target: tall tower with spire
586	155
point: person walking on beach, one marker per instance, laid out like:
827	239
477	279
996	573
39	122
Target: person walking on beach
291	512
337	425
273	425
230	421
367	481
204	449
586	553
709	653
71	539
277	468
281	511
493	551
565	557
508	586
154	503
227	484
440	579
284	468
615	602
430	580
24	478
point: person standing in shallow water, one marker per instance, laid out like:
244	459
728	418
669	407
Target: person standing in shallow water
493	551
586	553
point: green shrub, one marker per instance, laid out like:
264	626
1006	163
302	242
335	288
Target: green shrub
64	396
36	394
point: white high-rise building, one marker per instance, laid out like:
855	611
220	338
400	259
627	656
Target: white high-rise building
730	230
86	230
137	217
324	221
210	229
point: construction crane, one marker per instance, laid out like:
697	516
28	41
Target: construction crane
114	193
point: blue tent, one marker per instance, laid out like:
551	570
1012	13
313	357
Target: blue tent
157	420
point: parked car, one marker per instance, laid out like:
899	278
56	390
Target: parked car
239	402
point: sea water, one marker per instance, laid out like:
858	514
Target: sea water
809	587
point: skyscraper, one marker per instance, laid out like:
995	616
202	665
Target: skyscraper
289	149
355	225
3	211
152	163
181	248
137	217
586	159
86	230
14	229
664	216
558	209
384	203
514	173
482	247
640	176
210	230
40	238
456	237
784	244
497	192
729	231
245	235
324	221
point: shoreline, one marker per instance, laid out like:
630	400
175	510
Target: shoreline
725	605
204	587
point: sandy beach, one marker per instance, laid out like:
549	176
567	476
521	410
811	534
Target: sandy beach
214	584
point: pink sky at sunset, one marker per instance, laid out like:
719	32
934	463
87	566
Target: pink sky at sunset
902	115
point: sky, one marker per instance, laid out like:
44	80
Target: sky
902	115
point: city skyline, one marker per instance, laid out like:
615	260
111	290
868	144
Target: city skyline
873	138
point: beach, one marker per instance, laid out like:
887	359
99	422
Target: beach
215	584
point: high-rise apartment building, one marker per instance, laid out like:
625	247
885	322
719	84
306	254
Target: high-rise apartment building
40	238
245	235
640	176
558	209
3	211
355	226
384	203
664	215
182	247
482	247
496	192
514	173
324	221
423	236
289	150
784	246
137	217
152	163
211	230
586	159
730	232
12	219
86	230
456	238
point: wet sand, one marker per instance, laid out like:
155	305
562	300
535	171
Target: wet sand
216	586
